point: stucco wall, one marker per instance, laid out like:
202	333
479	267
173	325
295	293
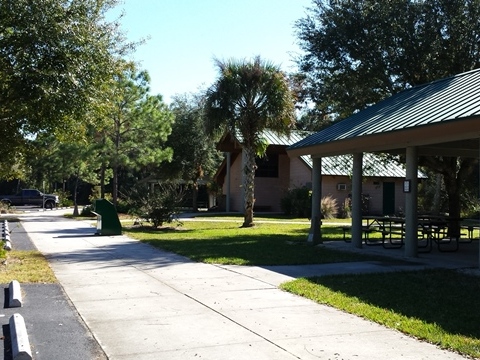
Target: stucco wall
374	188
295	173
300	174
236	193
269	191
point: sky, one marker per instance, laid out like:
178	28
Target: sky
183	37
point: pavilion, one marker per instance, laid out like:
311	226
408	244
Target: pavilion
439	118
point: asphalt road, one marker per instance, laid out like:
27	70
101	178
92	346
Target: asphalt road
55	330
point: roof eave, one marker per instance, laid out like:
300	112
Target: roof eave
395	141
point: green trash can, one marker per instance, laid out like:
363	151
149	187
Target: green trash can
107	218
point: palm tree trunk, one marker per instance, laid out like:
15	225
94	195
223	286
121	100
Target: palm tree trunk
249	186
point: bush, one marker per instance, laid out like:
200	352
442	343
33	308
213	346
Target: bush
4	208
96	195
64	198
157	207
123	206
328	207
297	202
87	211
345	210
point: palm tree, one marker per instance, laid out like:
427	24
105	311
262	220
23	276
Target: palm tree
247	98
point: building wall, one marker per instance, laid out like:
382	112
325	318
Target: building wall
374	188
300	174
269	191
295	173
236	193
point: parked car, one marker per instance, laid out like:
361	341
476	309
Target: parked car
31	197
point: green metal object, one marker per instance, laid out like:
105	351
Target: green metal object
107	218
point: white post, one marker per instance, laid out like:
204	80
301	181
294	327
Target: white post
357	200
411	221
315	235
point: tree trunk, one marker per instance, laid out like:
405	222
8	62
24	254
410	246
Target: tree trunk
456	172
115	185
195	197
116	162
102	181
453	206
75	205
249	186
459	170
438	194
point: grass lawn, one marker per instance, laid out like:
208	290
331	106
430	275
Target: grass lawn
23	266
224	242
438	306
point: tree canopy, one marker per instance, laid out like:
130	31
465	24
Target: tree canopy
135	127
194	154
55	55
249	97
356	53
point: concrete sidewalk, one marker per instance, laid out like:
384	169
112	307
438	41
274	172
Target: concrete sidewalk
142	303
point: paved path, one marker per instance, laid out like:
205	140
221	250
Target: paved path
141	303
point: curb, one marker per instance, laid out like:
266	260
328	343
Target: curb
18	332
14	294
6	236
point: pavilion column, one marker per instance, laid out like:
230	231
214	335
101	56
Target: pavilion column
227	189
315	235
411	201
357	200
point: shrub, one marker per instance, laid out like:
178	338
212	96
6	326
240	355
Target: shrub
297	202
87	211
64	198
345	211
328	207
4	208
157	207
96	194
123	206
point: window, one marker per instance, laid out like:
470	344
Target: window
267	166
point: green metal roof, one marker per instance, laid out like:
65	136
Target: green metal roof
445	100
373	165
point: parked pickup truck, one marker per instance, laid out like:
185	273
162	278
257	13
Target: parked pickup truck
31	197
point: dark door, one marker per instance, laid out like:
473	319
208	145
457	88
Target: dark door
388	198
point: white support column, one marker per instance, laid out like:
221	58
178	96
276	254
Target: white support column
315	235
357	200
411	201
228	182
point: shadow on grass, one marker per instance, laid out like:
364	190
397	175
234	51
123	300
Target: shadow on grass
443	297
255	249
160	230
